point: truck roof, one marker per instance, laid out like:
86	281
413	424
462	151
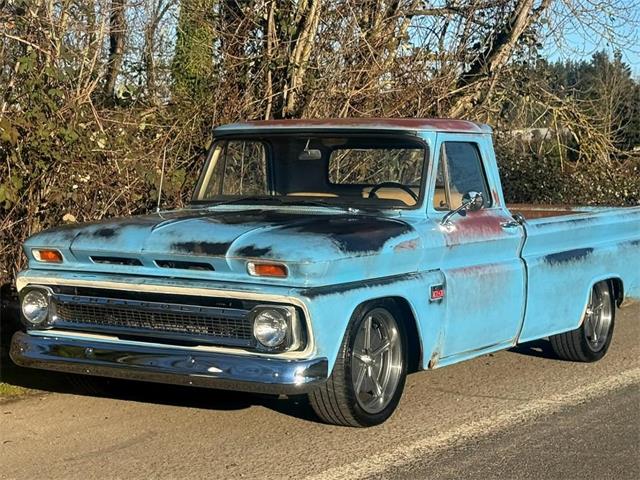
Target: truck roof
396	124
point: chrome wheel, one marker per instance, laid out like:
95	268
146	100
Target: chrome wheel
598	317
377	361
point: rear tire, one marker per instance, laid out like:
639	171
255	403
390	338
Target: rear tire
368	377
590	341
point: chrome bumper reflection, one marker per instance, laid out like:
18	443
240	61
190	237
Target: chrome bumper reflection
167	365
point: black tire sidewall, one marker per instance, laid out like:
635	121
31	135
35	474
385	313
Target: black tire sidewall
363	417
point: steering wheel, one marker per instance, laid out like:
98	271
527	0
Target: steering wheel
375	188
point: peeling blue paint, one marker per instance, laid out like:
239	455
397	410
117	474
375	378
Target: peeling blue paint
575	255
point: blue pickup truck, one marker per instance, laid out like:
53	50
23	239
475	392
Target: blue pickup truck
328	258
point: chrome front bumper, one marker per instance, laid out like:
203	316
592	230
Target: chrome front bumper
168	364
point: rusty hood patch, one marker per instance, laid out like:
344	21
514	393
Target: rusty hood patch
251	233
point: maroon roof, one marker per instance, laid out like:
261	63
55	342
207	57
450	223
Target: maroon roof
413	124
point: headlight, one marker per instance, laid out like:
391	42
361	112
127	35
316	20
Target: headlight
35	306
270	326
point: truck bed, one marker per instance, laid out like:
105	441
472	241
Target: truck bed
569	249
532	211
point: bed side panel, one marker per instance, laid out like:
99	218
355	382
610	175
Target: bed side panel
565	256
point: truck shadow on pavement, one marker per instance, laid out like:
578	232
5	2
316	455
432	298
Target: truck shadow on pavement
153	393
536	348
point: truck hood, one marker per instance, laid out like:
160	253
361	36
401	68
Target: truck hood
308	242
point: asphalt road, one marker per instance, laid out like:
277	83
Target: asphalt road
516	414
574	442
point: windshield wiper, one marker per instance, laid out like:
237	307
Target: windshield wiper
319	203
250	198
285	201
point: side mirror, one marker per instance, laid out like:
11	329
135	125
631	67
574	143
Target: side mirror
471	201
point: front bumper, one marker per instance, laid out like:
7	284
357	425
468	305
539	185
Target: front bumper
160	364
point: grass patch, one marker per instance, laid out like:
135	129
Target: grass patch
7	390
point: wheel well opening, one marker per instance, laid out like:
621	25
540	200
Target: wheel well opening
413	338
618	290
410	323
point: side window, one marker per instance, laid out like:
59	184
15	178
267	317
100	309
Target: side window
239	168
460	171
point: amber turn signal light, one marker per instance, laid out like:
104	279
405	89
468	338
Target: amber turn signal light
267	269
47	255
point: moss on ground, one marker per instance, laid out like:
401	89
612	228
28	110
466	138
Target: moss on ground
7	390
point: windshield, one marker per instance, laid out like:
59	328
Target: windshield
381	172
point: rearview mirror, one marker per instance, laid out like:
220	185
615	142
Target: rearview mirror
310	154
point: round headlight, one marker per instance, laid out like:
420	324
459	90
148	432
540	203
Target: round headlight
35	306
270	327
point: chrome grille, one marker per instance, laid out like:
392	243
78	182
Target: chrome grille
214	325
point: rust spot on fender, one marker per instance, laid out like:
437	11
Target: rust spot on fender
407	245
433	361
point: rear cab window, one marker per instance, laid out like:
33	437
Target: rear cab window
374	166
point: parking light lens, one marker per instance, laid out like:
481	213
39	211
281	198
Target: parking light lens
47	255
267	269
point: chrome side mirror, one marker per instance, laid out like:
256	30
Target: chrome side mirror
471	201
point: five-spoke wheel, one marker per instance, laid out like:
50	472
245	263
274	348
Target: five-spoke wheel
591	340
598	317
378	362
368	378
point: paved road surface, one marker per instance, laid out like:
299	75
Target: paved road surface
573	443
515	414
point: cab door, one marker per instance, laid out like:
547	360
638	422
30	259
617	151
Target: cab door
480	259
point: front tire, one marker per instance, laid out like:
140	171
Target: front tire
368	377
590	341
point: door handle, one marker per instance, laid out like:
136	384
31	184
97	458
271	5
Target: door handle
509	224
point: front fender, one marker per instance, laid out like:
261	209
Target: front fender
331	307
